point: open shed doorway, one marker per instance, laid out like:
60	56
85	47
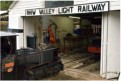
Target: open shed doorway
78	37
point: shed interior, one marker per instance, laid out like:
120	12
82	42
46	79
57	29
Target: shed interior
77	36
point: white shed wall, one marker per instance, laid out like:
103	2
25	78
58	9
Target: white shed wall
21	6
113	55
110	54
16	19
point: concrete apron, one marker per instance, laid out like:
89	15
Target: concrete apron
82	75
80	67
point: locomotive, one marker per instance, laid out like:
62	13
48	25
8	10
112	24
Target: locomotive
39	64
27	63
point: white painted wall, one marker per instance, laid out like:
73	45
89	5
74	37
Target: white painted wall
21	6
113	4
113	56
110	61
16	22
16	19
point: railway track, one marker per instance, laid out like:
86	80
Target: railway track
81	61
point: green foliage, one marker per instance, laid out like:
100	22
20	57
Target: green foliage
4	5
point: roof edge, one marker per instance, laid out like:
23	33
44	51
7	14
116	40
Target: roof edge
12	5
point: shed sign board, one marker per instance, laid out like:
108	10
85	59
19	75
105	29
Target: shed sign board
82	8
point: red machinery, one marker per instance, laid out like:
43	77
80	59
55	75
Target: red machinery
95	46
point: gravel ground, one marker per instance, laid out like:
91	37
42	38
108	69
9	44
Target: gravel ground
61	76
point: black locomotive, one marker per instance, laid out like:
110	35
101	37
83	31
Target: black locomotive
27	63
39	64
